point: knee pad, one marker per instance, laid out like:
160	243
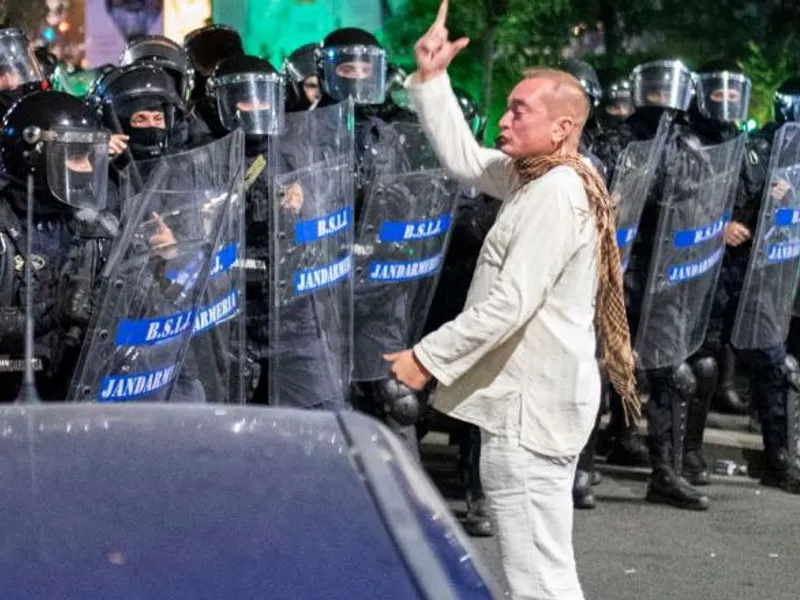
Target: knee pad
706	372
684	381
399	402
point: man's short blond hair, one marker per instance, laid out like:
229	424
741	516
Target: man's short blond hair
572	98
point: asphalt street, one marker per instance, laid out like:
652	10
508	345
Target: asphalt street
747	547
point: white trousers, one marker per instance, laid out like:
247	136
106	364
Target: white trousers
530	498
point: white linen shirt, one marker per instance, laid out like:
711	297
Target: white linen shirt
526	337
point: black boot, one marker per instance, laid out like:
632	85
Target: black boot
727	398
666	487
667	428
775	395
477	522
781	471
695	468
582	493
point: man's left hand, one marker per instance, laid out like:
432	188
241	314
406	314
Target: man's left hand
408	370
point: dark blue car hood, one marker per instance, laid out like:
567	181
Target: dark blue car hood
165	501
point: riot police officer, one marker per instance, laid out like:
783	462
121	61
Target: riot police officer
162	52
658	88
148	106
616	105
57	138
353	65
207	47
720	105
302	82
141	105
745	303
283	337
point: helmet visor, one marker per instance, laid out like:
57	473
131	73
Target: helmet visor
77	166
723	96
666	84
252	101
357	72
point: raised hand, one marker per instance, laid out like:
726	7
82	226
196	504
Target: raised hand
434	51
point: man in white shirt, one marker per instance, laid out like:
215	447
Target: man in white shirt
519	362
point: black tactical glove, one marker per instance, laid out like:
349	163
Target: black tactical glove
75	306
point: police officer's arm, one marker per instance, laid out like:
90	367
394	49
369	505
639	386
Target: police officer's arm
489	170
544	238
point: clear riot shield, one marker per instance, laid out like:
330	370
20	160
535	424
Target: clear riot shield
399	252
310	347
698	195
214	173
633	176
767	301
155	280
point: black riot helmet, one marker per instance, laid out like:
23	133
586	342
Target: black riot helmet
472	114
302	82
723	92
138	93
58	138
249	93
663	84
20	71
587	76
162	52
787	101
352	64
207	47
617	100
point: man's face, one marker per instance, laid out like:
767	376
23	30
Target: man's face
9	79
147	119
355	69
311	89
527	128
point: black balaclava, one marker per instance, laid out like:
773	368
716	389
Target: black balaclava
145	142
